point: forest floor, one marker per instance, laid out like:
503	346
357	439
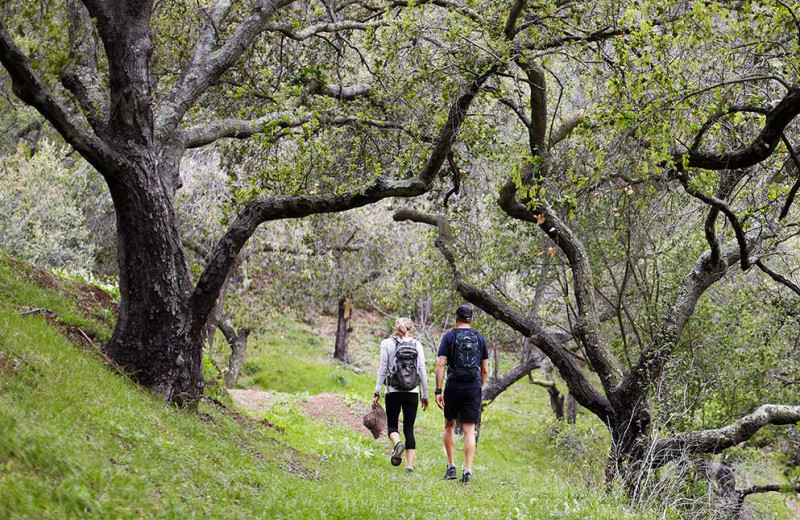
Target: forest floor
77	440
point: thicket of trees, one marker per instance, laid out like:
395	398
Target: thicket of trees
613	181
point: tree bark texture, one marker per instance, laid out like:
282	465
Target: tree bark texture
155	337
238	343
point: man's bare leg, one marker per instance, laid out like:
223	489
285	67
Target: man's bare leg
449	439
469	445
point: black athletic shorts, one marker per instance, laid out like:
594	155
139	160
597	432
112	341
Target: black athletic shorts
462	401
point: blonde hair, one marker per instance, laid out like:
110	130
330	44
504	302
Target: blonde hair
403	327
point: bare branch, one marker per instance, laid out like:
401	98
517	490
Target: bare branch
792	192
597	36
516	107
767	488
762	147
584	392
208	65
777	277
737	81
566	128
722	206
209	33
513	15
27	85
314	30
587	329
497	386
794	17
717	440
255	213
716	117
242	128
317	87
695	283
80	75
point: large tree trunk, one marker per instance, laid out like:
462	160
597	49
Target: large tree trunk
136	140
630	436
340	350
156	338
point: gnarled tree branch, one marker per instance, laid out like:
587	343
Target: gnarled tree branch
584	392
243	128
31	89
318	88
776	120
80	76
777	276
271	208
209	64
722	206
322	28
719	439
703	275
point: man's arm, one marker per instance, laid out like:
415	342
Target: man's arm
441	363
484	360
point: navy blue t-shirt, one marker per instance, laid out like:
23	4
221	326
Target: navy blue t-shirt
446	349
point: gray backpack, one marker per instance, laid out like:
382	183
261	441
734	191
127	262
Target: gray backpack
404	375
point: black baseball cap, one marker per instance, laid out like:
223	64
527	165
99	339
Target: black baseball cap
464	314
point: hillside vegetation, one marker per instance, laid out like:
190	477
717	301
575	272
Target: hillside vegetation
79	440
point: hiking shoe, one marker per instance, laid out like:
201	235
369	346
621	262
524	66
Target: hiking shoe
397	453
466	476
409	470
450	474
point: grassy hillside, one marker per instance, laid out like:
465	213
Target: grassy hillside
77	440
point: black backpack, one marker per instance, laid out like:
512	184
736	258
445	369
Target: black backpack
466	356
404	375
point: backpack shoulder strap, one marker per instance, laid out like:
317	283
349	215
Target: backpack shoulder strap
454	343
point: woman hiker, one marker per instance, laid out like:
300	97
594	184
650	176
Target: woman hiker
402	370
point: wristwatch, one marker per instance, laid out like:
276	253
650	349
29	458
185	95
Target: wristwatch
438	391
376	395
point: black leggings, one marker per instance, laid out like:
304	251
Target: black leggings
408	401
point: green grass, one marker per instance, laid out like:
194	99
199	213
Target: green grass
287	357
18	290
79	441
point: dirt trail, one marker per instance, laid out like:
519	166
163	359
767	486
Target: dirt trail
252	400
324	407
332	407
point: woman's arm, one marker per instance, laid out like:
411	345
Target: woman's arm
423	374
382	368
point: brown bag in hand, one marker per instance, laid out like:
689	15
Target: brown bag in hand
375	421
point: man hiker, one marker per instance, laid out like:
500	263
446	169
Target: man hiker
464	353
